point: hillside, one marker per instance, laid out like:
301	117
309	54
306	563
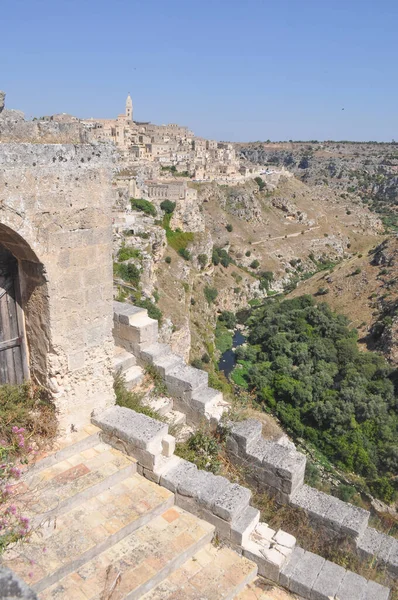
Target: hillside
287	230
364	173
365	289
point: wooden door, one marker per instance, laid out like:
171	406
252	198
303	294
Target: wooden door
13	366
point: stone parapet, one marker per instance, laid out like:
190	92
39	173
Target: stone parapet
272	467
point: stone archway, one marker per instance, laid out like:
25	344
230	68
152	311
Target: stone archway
24	311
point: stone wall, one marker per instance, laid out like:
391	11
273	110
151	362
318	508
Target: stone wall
55	217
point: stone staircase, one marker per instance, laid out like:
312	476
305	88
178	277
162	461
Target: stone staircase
191	400
102	531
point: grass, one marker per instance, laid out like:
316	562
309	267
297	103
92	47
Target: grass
178	240
129	399
28	406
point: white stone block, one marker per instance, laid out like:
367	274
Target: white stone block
168	445
284	539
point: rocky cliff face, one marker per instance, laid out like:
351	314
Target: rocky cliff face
287	230
363	172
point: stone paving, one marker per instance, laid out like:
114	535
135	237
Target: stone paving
211	574
105	532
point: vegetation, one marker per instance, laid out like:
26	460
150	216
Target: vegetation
201	449
27	421
153	311
178	240
186	255
143	205
129	399
254	264
229	227
303	363
168	259
203	260
260	183
126	252
168	206
210	294
220	255
128	272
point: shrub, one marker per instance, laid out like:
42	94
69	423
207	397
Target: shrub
193	301
254	264
153	311
184	253
203	450
229	227
128	272
206	358
228	319
143	205
168	206
247	253
357	271
125	253
203	260
210	294
197	363
168	259
260	183
220	255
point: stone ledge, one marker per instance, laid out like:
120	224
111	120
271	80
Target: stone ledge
133	428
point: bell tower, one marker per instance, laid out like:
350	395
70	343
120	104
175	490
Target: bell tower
129	108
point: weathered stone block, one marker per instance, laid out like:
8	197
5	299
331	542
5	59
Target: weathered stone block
315	503
336	513
232	502
392	563
137	429
352	587
246	433
290	566
369	543
285	539
243	525
356	521
305	574
182	471
168	445
375	591
327	582
223	528
183	381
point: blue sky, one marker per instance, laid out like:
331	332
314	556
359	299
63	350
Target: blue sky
232	70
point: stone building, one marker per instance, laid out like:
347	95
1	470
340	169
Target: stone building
56	264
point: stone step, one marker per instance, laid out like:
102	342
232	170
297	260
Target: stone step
162	406
58	488
175	418
69	541
260	589
183	381
133	377
73	444
165	363
123	360
139	562
149	352
211	574
123	312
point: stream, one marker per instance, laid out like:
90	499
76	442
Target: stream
228	359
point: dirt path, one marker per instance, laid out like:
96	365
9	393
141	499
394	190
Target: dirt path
281	237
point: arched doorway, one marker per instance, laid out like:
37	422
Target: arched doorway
24	311
13	358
